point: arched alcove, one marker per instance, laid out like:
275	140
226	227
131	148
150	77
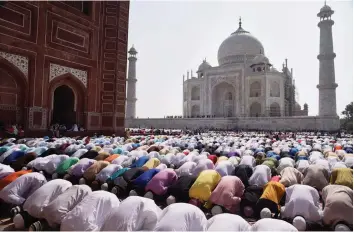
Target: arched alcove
255	89
274	110
73	112
255	109
13	94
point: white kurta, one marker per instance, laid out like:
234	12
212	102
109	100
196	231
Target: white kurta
133	214
90	213
105	173
186	169
43	196
56	210
302	200
225	168
270	224
261	175
5	170
20	189
51	166
248	160
181	217
227	222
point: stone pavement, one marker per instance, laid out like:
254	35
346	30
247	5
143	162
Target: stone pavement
6	224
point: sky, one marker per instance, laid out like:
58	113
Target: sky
173	37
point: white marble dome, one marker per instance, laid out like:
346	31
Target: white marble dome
239	43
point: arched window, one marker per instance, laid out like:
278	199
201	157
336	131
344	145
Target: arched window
228	96
255	90
274	89
195	111
274	110
195	93
255	109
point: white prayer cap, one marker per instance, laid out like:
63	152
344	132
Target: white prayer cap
342	227
114	190
149	195
104	186
133	193
82	181
299	223
170	200
55	176
19	222
216	210
266	213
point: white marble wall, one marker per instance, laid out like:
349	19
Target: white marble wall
266	123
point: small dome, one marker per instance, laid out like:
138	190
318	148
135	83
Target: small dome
203	66
325	11
325	8
260	59
132	50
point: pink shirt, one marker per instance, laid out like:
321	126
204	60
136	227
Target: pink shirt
161	181
228	193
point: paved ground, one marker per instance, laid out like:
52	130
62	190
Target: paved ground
6	224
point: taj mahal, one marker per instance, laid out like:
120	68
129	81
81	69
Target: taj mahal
243	85
245	91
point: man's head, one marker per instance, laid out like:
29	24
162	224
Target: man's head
299	223
341	227
149	195
216	210
266	213
170	200
133	193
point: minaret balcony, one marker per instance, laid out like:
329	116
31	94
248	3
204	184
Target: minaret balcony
329	56
328	86
132	79
325	22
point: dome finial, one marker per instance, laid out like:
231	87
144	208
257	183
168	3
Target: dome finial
240	22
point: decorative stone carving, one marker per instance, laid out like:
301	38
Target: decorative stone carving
58	70
21	62
44	117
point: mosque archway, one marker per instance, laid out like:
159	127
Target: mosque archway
223	100
255	109
195	111
13	94
64	105
67	101
274	110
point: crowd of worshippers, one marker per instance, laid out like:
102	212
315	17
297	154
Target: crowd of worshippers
11	129
58	129
206	182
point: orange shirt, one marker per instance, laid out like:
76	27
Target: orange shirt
111	158
13	176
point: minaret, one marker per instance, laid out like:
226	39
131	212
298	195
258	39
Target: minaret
327	85
131	84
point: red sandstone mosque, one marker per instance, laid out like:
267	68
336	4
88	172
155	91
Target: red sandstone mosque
63	61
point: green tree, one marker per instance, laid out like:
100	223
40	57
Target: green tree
347	122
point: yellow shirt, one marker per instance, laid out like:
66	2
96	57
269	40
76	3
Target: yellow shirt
204	185
152	163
